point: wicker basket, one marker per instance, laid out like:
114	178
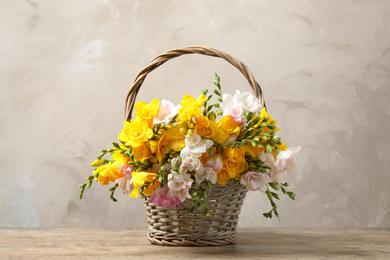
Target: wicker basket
175	227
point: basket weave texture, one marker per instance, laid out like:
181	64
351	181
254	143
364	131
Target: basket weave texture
175	227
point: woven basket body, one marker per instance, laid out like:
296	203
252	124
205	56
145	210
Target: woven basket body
175	227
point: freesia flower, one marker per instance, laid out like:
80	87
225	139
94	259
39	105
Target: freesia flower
231	106
162	197
248	102
194	145
179	186
190	107
125	183
146	112
215	162
207	173
166	112
268	159
140	179
285	159
193	163
135	133
255	181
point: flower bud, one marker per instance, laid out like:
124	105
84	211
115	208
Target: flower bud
276	139
170	176
262	125
175	162
97	163
183	131
183	169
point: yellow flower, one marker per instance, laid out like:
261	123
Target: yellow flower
233	164
142	153
136	133
109	172
226	127
205	127
147	111
170	139
140	179
190	107
223	176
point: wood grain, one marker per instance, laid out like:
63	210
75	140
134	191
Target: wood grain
259	243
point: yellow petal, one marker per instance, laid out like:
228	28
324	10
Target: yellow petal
201	100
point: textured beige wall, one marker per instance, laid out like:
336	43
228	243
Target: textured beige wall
65	67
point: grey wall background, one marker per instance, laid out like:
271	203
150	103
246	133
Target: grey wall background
65	67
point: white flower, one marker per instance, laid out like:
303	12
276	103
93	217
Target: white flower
193	163
255	181
268	159
249	103
179	186
179	181
166	112
207	173
231	106
194	145
285	159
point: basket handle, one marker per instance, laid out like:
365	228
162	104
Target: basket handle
164	57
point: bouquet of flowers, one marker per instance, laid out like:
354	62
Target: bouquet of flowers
172	153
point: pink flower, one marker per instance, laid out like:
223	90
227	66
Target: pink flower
255	181
166	112
237	105
125	183
231	106
161	197
215	162
285	159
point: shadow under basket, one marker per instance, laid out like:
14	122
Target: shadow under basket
176	227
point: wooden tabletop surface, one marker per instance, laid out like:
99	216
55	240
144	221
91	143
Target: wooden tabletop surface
255	243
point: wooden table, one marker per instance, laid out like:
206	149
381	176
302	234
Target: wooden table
257	243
